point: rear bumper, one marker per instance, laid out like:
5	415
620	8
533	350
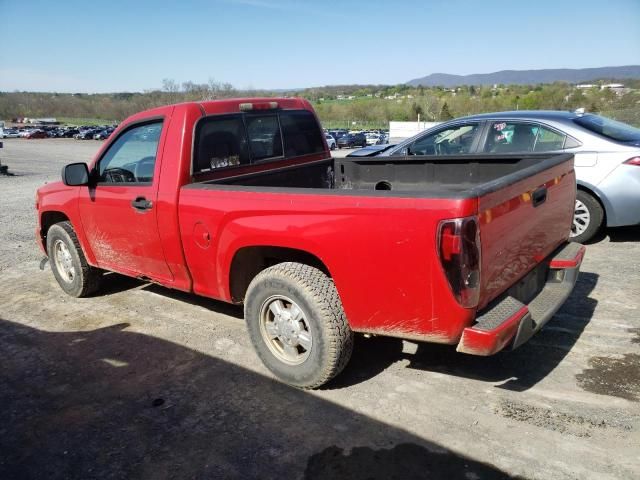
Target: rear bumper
509	321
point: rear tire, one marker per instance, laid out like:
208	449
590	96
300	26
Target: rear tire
297	325
587	218
68	263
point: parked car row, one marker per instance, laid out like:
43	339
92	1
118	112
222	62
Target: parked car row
607	156
81	133
351	138
95	133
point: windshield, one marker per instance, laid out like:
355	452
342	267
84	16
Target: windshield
612	129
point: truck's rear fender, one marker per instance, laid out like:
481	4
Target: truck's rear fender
380	252
249	261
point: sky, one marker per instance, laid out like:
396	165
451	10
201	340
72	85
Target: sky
90	46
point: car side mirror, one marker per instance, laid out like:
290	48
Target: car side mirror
75	174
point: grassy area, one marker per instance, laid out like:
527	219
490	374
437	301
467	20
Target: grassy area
84	121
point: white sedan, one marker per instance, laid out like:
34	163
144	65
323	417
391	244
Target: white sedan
372	138
331	142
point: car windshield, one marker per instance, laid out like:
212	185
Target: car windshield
612	129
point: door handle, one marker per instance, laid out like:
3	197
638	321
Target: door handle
141	204
539	196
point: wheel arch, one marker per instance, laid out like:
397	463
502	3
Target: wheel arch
249	261
47	220
600	198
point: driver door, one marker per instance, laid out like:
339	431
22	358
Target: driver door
118	210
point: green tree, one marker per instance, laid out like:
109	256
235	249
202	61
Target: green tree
445	114
417	111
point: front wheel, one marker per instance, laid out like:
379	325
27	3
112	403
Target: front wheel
297	325
68	263
587	217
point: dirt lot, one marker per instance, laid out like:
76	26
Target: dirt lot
144	382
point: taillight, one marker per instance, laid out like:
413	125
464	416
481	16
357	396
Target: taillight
459	251
633	161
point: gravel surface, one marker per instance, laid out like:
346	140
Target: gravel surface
144	382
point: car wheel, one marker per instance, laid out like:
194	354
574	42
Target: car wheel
68	263
587	217
297	325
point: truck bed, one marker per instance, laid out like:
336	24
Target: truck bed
381	203
419	176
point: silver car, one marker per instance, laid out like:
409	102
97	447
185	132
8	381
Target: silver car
607	156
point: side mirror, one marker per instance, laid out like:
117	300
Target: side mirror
75	174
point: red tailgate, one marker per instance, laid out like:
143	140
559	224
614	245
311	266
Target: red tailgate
522	223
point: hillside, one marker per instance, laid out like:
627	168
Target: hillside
523	77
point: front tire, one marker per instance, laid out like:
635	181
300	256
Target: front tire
297	325
68	263
587	218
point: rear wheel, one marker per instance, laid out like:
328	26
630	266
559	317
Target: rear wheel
587	217
68	263
297	325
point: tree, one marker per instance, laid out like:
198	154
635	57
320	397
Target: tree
445	114
417	111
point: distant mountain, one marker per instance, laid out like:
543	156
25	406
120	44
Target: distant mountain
523	77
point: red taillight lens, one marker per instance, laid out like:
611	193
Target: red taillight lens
459	251
633	161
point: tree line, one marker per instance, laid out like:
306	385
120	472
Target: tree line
368	103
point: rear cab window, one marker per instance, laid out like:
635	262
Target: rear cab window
232	140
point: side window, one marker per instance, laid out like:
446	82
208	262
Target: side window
132	157
571	142
220	142
549	140
452	141
511	137
301	133
264	136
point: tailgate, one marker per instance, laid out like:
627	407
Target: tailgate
524	216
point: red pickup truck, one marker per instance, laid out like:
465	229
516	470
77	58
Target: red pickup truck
240	200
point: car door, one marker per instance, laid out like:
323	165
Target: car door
451	139
118	209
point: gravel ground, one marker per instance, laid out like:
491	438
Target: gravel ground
144	382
